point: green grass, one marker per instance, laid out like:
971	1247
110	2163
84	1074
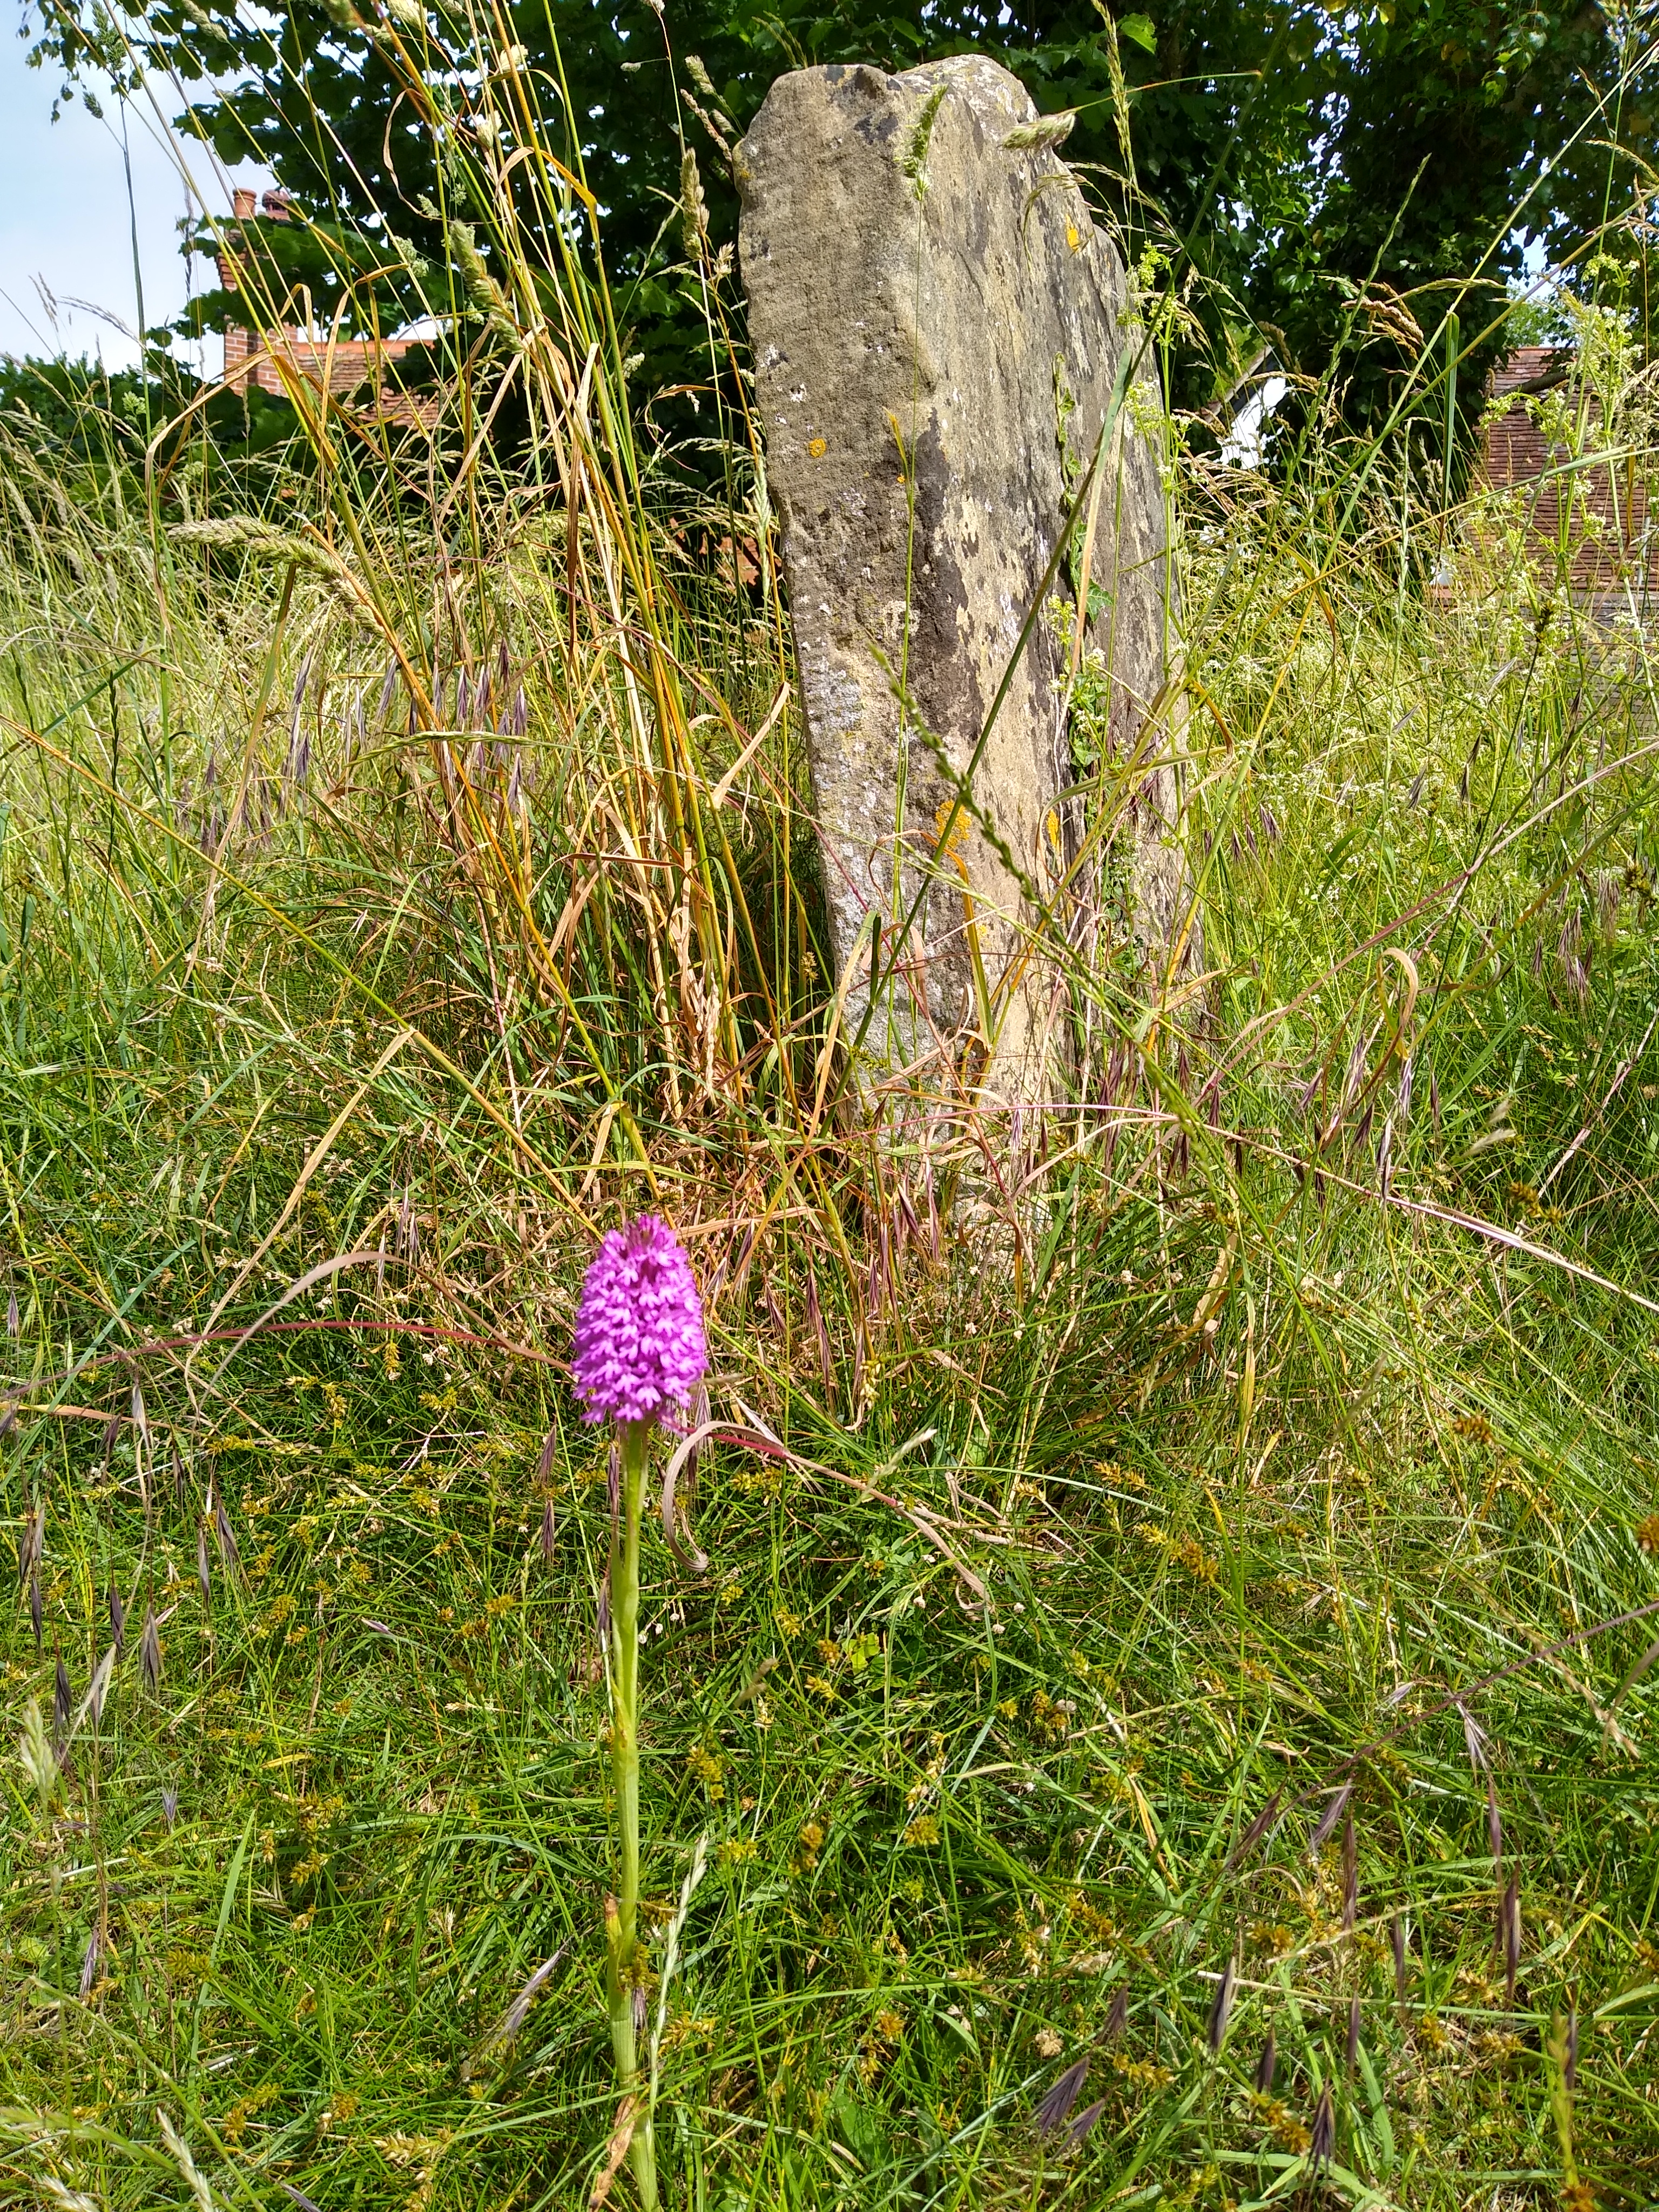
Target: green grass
1113	1527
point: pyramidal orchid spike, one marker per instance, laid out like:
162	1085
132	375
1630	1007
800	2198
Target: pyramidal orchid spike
640	1347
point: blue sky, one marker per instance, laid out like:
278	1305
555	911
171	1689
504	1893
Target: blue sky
65	216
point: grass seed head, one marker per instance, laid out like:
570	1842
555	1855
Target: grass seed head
30	1549
194	2180
149	1649
1321	2133
35	1754
1509	1936
1056	2106
1475	1738
1222	2005
1326	1827
224	1534
65	2199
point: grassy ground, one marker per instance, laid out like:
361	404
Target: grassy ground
1189	1608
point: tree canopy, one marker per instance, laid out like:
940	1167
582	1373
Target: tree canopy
1333	177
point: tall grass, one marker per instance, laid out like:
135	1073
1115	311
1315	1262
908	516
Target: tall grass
1162	1595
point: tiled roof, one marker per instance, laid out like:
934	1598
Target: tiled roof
278	360
1531	369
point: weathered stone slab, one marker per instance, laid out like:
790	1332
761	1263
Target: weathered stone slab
937	327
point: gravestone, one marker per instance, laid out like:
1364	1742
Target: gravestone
937	327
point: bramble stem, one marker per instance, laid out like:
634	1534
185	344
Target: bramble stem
621	1924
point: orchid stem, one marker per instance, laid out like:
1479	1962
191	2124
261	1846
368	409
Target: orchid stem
622	1913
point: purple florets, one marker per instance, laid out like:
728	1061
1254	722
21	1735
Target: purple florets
640	1344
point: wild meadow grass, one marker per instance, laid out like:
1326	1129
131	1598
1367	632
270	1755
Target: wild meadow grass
1164	1596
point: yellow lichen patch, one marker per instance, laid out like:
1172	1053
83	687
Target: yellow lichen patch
949	832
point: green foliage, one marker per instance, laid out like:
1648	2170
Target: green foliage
1297	1401
1312	166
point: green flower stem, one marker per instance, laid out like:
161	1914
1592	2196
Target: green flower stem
622	1929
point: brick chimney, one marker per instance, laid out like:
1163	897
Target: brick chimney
238	343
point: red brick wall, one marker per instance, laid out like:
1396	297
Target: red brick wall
1622	553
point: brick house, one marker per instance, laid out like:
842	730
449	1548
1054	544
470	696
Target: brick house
1612	546
275	360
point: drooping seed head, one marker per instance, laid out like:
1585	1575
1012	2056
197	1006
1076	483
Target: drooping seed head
1322	2143
1056	2107
639	1346
1221	2008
